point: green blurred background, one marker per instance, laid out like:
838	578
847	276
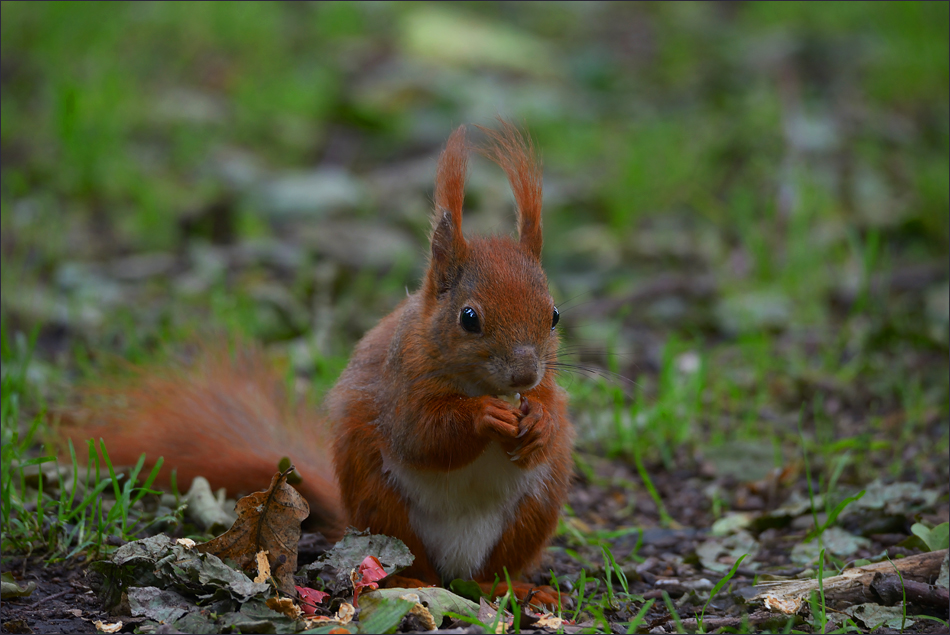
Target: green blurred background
746	204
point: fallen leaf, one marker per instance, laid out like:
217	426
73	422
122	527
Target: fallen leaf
369	574
874	616
345	613
10	589
383	614
372	569
425	617
263	567
102	627
309	598
788	605
284	606
162	605
731	523
835	539
267	521
895	499
204	508
719	554
935	538
253	617
160	561
549	621
349	553
439	601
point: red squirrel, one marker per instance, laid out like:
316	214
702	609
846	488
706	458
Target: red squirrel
448	429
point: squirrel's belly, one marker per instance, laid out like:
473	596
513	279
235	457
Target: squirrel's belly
460	515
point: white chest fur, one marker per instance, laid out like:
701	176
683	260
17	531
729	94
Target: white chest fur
460	515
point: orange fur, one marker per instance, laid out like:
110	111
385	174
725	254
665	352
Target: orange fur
450	177
228	419
422	447
514	152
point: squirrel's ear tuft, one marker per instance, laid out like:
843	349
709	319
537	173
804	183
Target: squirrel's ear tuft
448	245
514	152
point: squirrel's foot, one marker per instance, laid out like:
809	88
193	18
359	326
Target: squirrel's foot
400	582
542	597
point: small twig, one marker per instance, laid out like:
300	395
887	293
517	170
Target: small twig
53	597
754	619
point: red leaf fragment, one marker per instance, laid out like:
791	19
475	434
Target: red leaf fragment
366	577
309	598
372	570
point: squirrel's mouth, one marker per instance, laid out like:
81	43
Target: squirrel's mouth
504	379
526	381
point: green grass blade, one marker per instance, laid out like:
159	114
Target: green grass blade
724	581
635	622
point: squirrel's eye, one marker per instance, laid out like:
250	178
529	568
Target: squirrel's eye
468	318
557	316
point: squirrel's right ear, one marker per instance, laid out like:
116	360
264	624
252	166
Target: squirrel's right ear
448	245
513	151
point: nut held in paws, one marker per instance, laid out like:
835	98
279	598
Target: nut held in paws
514	400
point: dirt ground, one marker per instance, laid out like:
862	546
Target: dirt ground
65	601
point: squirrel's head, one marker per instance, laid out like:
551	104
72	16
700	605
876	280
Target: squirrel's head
487	298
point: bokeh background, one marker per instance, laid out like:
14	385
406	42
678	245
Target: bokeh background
746	204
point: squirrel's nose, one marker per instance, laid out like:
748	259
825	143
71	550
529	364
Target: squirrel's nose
524	367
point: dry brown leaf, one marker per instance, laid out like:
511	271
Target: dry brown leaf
344	616
102	627
549	621
263	567
789	605
345	613
267	521
425	617
420	611
284	606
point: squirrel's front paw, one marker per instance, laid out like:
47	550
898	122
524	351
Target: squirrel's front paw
499	421
535	432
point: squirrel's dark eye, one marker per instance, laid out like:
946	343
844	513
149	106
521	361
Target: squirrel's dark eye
469	320
557	316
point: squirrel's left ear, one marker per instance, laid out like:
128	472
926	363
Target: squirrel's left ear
514	152
449	248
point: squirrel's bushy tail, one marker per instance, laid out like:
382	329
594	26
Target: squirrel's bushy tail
227	418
